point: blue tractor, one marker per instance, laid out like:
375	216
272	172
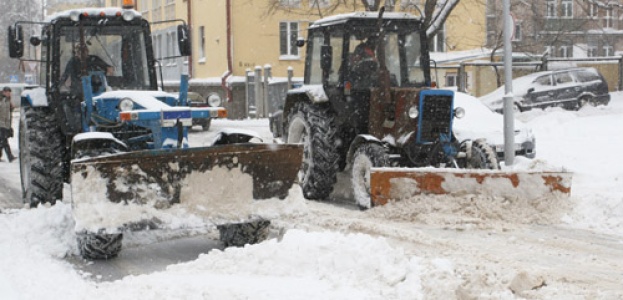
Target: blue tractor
101	123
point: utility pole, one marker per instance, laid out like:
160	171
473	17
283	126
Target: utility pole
509	126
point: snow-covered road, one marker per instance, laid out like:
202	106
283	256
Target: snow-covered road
420	248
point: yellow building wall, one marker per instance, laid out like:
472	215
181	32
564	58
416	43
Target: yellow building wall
212	15
466	26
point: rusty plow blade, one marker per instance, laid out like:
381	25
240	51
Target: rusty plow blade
217	183
395	183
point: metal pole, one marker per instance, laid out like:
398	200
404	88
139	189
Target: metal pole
509	137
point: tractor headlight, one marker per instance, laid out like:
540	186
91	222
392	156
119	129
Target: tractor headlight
214	100
413	112
74	16
459	112
126	104
128	15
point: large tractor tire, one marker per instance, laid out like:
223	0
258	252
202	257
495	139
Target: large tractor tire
99	246
240	234
314	127
367	156
479	155
41	156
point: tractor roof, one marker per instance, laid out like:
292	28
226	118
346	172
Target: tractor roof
343	18
93	11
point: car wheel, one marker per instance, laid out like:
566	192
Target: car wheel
586	101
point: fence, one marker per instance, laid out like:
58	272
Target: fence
480	78
265	94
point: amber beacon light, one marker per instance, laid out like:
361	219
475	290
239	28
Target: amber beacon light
128	4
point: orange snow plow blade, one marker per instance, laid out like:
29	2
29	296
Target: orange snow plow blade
394	184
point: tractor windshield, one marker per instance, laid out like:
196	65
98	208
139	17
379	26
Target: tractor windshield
118	51
402	58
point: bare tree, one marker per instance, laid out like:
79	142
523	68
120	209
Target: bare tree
434	12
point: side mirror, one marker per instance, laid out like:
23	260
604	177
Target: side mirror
326	57
300	42
16	41
530	90
183	40
35	41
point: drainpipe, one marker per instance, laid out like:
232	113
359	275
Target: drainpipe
229	57
190	29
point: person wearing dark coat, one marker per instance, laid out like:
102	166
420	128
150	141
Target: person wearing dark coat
6	131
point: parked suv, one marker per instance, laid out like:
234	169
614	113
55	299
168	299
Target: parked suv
569	89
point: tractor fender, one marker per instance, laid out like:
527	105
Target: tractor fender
358	141
36	97
312	94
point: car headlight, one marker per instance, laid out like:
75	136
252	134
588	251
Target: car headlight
459	112
413	112
126	104
214	100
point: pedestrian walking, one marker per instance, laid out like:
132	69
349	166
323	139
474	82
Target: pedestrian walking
6	131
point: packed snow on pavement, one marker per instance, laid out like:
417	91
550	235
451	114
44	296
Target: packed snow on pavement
420	248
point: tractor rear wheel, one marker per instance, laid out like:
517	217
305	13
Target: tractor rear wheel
367	156
314	127
41	156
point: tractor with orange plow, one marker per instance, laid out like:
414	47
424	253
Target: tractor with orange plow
368	105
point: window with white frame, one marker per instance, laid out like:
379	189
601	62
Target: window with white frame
550	51
608	19
169	10
564	51
567	8
156	9
319	3
591	51
593	10
290	3
451	79
608	50
288	34
202	43
551	8
143	8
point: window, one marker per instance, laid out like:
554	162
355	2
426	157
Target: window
202	44
156	7
608	50
143	8
319	3
567	8
608	18
288	34
591	51
550	50
290	3
562	78
451	79
169	10
544	80
593	10
563	51
517	33
551	8
439	41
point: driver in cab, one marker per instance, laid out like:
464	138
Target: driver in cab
73	69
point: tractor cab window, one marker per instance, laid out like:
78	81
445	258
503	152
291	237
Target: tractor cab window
116	51
315	72
413	49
